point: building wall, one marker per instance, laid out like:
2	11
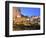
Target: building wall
16	15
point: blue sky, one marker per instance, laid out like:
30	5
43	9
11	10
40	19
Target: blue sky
30	11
